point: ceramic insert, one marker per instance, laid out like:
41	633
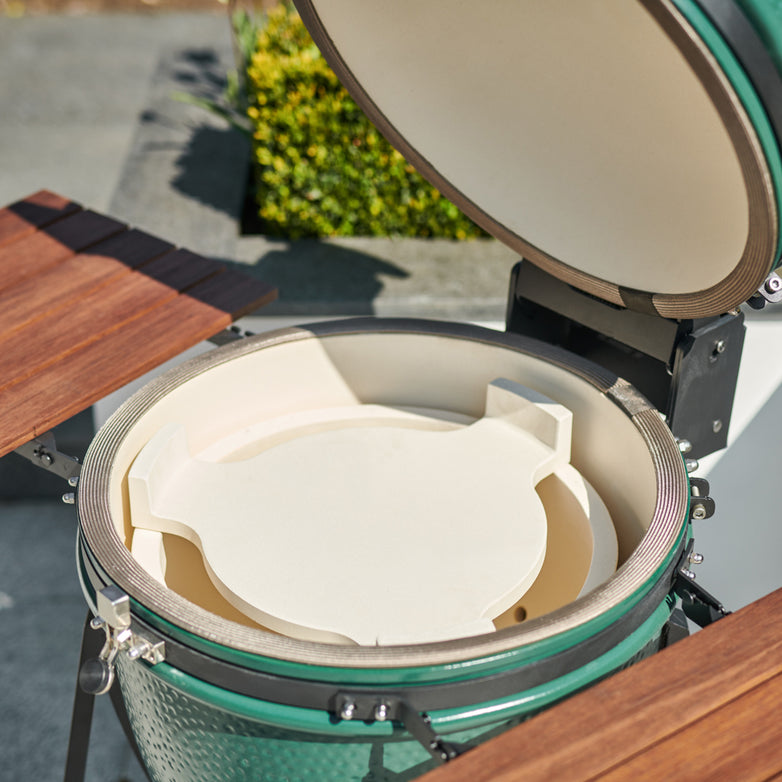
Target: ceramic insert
371	524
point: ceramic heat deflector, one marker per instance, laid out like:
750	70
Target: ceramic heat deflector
370	524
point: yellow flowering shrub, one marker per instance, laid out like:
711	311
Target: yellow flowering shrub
321	167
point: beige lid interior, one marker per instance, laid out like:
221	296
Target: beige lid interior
592	137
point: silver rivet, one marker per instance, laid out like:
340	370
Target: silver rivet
719	346
773	284
347	710
688	573
691	465
685	446
73	481
699	511
381	712
696	559
97	622
69	498
139	650
46	458
716	426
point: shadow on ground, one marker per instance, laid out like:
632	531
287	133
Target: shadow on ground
321	277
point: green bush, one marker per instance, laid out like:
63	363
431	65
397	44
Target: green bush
321	168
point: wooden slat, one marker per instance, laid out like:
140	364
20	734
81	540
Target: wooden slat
30	256
182	269
617	719
99	312
63	389
741	740
84	229
62	285
87	305
234	293
36	211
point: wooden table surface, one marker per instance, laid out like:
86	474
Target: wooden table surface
706	708
88	304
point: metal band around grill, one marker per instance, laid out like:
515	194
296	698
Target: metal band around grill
327	696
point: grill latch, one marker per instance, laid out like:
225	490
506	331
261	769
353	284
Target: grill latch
96	674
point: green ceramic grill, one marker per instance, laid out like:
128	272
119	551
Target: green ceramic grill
356	549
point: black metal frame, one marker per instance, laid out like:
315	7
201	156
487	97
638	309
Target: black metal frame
686	368
83	704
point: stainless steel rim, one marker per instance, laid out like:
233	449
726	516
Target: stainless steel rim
628	584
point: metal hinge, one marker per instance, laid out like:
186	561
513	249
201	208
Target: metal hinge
698	605
231	334
97	674
371	707
770	292
42	452
701	505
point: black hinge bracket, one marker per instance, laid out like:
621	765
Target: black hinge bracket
701	505
42	452
698	605
370	707
687	368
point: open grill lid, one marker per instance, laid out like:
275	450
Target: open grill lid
617	144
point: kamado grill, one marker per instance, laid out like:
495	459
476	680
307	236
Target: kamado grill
356	549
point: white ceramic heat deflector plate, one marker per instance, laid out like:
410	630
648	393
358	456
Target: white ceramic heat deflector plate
366	523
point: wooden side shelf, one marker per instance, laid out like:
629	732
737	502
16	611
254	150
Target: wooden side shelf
707	708
88	304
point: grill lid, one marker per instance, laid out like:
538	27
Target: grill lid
618	145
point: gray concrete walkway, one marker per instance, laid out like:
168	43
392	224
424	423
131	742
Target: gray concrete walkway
89	113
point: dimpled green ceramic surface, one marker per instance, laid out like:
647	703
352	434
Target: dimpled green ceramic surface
191	731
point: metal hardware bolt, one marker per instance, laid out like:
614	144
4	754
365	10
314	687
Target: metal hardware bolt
691	465
716	426
46	458
699	511
687	573
719	346
69	498
695	559
381	712
773	284
348	710
73	481
138	651
685	446
97	622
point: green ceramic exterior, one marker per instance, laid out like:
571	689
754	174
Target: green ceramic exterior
188	730
766	16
